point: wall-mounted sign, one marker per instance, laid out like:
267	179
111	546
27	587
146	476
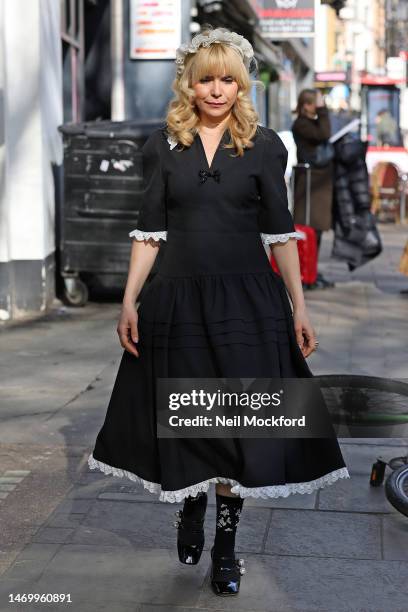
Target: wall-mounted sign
155	29
286	18
331	75
396	67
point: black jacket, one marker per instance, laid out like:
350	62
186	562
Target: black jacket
356	238
309	133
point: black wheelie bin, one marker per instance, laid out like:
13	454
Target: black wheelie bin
102	180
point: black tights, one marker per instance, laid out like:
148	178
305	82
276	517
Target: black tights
228	515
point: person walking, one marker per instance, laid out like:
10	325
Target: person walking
214	191
310	129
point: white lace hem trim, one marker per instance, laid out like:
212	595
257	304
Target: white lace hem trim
271	238
263	492
140	235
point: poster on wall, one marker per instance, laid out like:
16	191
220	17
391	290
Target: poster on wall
155	29
286	18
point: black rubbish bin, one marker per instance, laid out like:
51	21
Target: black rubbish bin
102	180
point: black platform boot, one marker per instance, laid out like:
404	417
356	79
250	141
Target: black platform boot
226	570
226	574
190	534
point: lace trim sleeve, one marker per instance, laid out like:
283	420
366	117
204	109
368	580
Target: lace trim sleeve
266	238
141	235
272	238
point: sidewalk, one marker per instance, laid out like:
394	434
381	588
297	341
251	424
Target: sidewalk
111	545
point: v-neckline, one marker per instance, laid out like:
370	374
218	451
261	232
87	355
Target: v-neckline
209	166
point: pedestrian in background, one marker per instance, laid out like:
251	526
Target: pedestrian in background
386	128
310	129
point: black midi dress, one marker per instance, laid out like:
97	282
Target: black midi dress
215	308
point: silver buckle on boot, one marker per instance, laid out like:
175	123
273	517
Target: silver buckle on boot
177	523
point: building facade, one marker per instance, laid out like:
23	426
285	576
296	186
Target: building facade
30	147
73	61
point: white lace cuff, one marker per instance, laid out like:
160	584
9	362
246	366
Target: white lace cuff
140	235
271	238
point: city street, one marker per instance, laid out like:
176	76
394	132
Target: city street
111	546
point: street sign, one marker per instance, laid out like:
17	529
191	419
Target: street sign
155	29
396	68
339	76
286	18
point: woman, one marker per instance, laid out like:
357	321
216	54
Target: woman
310	129
215	191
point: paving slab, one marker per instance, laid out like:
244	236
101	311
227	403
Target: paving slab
362	456
324	534
118	574
307	584
306	501
395	537
149	526
354	495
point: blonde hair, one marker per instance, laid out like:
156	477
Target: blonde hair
183	118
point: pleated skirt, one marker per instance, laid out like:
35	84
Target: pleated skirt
231	319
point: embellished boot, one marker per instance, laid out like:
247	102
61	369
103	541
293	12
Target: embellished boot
226	574
190	526
226	570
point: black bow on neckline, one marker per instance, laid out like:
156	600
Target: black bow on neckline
205	174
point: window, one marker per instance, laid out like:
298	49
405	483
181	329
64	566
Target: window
72	35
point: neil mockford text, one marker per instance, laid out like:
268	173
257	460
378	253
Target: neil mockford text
209	401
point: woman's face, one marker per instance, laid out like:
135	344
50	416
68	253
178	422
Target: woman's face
215	95
309	108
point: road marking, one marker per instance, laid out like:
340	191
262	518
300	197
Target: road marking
10	480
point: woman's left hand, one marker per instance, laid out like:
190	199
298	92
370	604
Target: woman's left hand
305	334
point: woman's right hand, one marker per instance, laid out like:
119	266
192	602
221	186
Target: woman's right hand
127	328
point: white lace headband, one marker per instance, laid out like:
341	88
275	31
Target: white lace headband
218	35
